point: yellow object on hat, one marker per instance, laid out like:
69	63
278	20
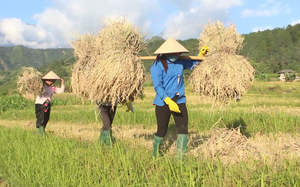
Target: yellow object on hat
171	46
51	75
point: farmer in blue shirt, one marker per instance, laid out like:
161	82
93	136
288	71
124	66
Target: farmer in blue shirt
168	83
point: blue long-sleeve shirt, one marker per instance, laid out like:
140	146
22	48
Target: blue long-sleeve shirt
171	83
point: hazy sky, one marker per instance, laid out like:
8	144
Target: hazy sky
54	23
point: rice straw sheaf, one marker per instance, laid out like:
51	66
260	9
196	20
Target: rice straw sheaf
220	38
222	76
30	85
223	73
107	67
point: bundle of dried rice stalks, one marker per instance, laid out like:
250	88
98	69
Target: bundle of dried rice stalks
223	74
221	39
30	84
108	68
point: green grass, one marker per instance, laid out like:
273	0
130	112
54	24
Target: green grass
29	160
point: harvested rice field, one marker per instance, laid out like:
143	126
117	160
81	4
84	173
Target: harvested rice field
257	135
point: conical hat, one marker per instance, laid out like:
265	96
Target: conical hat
51	75
171	46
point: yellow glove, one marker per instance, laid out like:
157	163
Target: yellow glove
172	105
129	106
203	51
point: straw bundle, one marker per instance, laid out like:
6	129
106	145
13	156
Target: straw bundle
222	76
30	85
227	145
223	73
221	39
108	68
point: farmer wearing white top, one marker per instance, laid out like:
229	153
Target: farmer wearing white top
43	101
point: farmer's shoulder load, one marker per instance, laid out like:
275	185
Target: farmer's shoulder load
108	67
223	74
30	83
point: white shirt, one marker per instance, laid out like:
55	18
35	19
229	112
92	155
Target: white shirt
49	90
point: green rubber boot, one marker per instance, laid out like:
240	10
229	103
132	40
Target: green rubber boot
106	138
157	142
41	130
181	146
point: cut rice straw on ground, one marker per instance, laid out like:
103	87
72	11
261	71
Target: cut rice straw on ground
230	146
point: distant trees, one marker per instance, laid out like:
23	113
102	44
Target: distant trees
278	49
269	51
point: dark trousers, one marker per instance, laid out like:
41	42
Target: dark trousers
163	114
107	114
42	117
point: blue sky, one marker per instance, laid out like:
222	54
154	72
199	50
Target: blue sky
55	23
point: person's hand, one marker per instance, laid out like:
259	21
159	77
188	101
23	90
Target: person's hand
172	105
128	105
62	82
203	51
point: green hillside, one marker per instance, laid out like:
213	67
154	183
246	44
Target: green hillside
268	51
12	58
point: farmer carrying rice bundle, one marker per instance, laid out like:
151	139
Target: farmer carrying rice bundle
108	70
33	84
44	100
168	83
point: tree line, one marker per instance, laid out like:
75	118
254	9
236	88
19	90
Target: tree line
268	51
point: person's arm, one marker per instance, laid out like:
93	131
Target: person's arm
188	64
156	74
61	89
